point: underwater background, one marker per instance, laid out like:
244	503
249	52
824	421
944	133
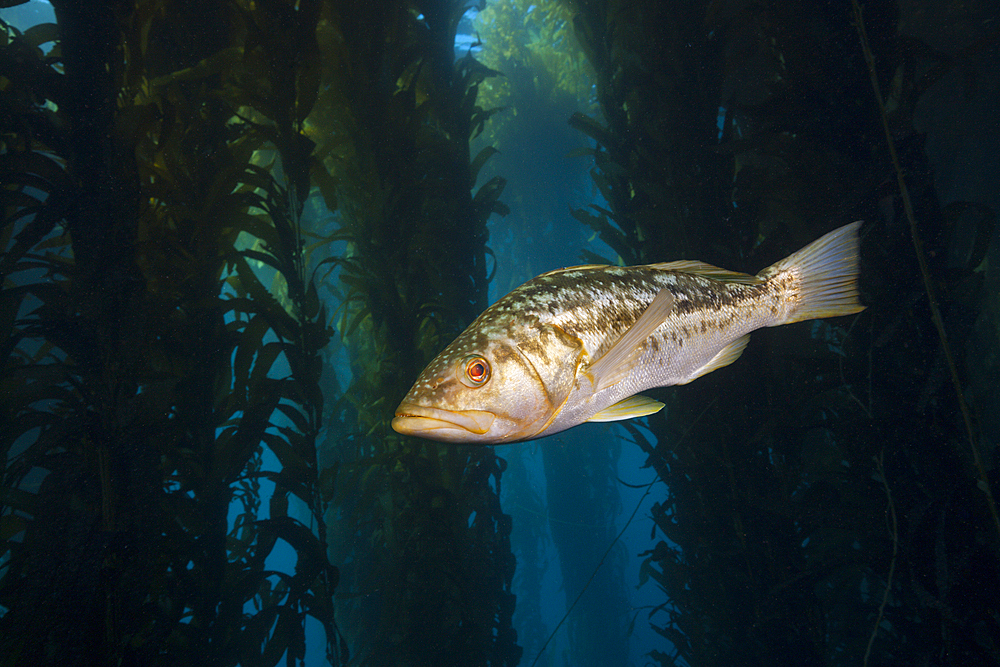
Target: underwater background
234	232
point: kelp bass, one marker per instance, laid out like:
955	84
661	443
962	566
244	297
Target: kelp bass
578	344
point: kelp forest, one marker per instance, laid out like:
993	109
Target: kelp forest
234	233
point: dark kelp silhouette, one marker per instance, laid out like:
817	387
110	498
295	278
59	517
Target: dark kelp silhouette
417	526
825	481
147	369
157	162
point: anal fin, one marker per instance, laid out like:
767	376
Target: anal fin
724	357
633	406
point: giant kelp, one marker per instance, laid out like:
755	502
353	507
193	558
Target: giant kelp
658	98
546	79
822	479
425	545
148	373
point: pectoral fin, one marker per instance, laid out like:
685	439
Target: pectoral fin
616	363
633	406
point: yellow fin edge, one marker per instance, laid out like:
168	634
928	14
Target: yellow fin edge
628	408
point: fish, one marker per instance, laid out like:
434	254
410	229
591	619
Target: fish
579	344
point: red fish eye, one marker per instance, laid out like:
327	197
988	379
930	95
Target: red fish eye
477	370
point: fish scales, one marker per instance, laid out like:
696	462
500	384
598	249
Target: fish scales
598	305
578	344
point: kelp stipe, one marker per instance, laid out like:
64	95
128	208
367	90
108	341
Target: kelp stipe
418	526
147	370
546	80
984	480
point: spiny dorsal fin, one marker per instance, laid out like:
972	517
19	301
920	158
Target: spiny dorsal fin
708	271
581	267
616	363
633	406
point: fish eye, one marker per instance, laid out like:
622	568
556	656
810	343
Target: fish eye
477	371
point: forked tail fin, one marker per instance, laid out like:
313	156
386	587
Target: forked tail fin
827	276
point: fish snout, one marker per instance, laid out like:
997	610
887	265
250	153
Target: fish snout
442	425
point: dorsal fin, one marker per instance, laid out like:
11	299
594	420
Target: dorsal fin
581	267
708	271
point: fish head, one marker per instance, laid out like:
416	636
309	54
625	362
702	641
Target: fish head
487	390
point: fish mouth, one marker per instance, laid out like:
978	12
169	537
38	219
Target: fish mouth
444	425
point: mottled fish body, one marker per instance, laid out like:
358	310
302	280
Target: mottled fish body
578	344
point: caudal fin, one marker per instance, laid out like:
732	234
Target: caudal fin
827	272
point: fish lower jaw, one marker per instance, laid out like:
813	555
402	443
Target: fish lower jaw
442	425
